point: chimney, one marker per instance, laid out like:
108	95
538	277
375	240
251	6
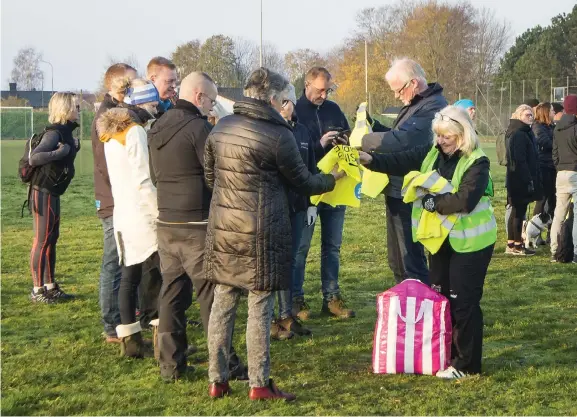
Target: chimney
12	87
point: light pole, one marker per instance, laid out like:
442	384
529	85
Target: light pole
261	33
52	75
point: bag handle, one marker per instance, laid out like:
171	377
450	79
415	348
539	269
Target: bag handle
419	317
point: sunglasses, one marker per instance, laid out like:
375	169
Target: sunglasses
445	118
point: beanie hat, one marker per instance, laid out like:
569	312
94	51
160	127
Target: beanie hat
291	94
465	103
141	94
531	102
570	104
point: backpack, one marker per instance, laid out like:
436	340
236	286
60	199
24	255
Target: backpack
25	170
501	148
564	253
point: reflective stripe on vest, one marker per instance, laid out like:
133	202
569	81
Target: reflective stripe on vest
472	231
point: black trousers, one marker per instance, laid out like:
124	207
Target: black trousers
460	278
132	278
515	226
46	224
549	201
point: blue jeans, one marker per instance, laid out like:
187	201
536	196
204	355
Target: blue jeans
332	220
285	304
110	274
406	258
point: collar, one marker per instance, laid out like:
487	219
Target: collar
188	107
304	99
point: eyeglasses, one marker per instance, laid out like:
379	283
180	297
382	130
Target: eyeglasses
402	89
285	103
213	102
319	91
445	118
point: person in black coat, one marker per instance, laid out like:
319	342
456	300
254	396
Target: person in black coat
523	178
543	131
250	157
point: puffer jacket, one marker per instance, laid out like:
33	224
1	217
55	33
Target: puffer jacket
135	205
250	157
544	136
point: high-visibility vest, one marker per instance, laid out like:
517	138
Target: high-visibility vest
472	231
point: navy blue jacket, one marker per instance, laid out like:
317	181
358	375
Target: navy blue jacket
544	135
299	202
411	129
320	120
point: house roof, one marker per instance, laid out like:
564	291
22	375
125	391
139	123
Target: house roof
35	99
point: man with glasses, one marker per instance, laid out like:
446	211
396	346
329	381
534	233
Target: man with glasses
412	128
323	118
176	143
162	73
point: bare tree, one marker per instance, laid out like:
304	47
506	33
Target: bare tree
131	60
492	39
26	72
186	57
246	56
298	62
271	58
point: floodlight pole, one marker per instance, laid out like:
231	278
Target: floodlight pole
52	75
260	33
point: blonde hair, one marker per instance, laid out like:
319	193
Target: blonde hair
115	71
519	111
455	121
119	87
61	107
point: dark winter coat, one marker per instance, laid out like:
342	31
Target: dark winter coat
523	180
299	202
565	143
249	157
544	136
176	143
411	129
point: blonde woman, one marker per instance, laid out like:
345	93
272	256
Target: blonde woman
54	161
523	180
458	269
135	204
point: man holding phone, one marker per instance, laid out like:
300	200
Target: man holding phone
328	127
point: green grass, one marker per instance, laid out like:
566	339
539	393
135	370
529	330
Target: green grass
54	361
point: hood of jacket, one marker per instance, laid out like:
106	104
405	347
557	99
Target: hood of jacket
516	124
567	121
260	110
113	122
165	128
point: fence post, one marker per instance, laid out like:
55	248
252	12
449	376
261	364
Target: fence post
567	85
523	91
551	90
487	100
501	104
510	96
537	89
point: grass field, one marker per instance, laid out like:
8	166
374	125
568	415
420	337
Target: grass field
54	361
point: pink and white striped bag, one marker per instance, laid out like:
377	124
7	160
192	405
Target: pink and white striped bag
413	330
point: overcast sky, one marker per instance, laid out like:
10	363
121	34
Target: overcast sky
77	37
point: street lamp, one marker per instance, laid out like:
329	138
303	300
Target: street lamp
260	33
52	74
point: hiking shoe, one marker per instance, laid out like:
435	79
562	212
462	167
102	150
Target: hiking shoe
58	295
292	324
301	309
41	296
523	251
277	332
510	250
336	307
176	374
451	373
134	346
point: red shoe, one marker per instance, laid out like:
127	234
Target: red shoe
219	389
271	392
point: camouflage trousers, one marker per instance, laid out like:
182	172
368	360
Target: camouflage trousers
221	326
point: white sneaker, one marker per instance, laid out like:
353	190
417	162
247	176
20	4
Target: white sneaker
451	373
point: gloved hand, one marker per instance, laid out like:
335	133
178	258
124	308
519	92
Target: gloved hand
311	216
429	203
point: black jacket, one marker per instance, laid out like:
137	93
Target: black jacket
544	136
248	157
472	186
299	202
55	166
176	143
565	143
523	180
320	120
412	128
102	187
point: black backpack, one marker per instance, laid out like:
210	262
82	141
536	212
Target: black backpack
25	170
564	252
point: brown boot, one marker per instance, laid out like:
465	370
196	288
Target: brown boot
336	307
131	343
277	332
292	324
301	309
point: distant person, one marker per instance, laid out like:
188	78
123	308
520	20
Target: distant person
250	158
533	103
412	128
558	110
53	160
565	160
323	118
135	206
523	178
110	271
468	105
162	73
543	131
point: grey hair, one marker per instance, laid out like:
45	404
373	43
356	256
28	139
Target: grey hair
406	69
264	84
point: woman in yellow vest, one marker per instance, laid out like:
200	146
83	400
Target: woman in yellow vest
458	268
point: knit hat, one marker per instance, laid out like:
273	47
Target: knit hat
291	94
141	94
570	104
465	103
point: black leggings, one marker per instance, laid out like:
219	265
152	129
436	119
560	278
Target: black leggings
129	283
46	215
547	204
515	226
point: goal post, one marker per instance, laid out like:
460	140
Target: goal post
16	122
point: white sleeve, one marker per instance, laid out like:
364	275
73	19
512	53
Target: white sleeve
137	151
